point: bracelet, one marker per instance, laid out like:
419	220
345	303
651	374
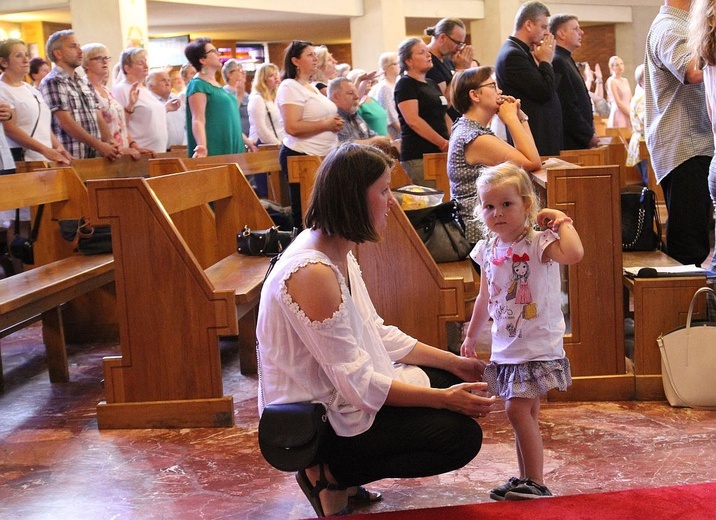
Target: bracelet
598	81
557	223
526	118
128	111
131	143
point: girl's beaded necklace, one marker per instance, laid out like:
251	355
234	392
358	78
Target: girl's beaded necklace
508	253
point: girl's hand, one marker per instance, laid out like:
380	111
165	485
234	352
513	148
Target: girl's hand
548	215
467	349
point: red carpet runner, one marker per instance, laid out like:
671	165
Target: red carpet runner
691	502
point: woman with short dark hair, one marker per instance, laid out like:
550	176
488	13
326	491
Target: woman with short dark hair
321	340
476	95
213	123
39	68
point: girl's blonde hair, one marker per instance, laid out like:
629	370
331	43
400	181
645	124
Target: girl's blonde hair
702	31
507	173
259	85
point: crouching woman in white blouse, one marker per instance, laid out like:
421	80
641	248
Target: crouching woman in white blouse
396	407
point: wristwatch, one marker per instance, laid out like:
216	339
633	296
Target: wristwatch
526	118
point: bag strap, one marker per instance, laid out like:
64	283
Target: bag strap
702	290
268	113
36	225
657	219
39	113
17	221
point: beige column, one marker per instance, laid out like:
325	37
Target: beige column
380	29
488	35
115	23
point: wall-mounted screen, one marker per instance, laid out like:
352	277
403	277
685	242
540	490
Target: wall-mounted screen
250	55
167	51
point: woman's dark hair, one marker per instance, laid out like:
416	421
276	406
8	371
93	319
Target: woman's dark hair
35	65
195	51
444	26
405	51
294	50
463	82
339	205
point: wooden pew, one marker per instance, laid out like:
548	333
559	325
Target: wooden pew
171	309
659	305
435	169
408	289
58	276
595	340
264	161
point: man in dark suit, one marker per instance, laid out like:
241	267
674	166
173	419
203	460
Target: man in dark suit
577	115
524	70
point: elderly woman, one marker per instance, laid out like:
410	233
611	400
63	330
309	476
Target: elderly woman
95	62
422	110
29	130
39	68
235	78
383	91
310	119
321	340
146	115
473	145
213	123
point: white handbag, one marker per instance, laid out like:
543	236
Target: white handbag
688	362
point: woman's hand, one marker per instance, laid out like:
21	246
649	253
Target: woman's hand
172	105
133	96
57	155
508	108
134	154
200	151
470	399
334	124
469	369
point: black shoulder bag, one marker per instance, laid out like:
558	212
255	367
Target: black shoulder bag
22	247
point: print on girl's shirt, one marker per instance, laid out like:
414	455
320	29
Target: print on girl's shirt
519	290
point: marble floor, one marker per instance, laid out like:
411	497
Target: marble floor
54	463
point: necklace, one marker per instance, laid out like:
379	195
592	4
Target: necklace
508	253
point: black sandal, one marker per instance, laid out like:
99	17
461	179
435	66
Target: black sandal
365	497
312	492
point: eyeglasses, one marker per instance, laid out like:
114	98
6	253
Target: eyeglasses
492	85
210	51
104	59
456	42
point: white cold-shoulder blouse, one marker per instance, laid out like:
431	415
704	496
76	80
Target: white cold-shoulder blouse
352	352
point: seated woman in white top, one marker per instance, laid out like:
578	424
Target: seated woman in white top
29	131
321	340
310	119
146	118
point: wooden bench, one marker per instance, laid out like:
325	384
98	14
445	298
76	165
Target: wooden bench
408	289
594	342
659	305
172	310
263	161
58	276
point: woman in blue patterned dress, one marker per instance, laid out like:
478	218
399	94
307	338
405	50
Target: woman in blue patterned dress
473	145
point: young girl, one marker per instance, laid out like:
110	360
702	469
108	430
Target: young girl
520	291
